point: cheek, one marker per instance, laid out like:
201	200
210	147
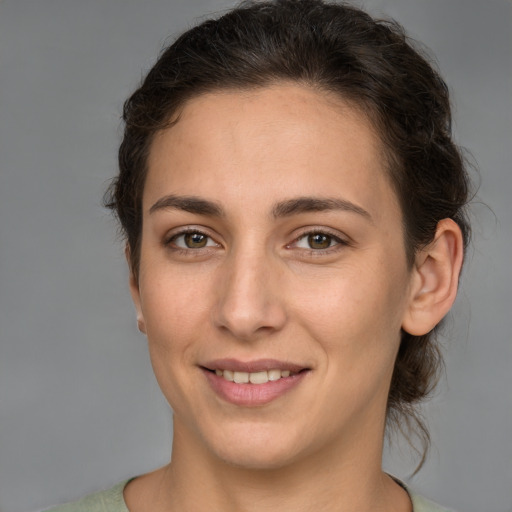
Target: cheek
173	302
174	317
170	334
355	312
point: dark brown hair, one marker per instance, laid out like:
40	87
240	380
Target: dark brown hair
333	48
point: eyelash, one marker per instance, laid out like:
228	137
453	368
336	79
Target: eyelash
168	242
339	242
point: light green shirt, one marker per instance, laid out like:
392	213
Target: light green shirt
112	501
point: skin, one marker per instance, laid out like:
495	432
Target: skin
257	289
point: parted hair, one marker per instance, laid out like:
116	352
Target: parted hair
334	48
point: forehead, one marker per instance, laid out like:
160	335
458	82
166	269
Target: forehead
284	139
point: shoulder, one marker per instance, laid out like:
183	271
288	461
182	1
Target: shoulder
421	504
110	500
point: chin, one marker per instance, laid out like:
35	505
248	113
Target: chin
256	460
256	449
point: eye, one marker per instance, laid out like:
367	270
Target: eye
192	240
317	240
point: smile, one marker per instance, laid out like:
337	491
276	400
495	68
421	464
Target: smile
256	383
261	377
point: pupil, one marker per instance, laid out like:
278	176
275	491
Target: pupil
194	240
319	241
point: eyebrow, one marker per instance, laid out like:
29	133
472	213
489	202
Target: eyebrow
287	208
317	204
191	204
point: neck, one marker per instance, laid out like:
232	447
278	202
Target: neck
335	479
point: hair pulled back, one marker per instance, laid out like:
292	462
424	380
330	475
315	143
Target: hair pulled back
334	48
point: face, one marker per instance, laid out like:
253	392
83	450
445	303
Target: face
272	252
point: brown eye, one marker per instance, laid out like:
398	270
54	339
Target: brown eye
195	240
191	240
319	241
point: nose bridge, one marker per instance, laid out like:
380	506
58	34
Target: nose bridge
248	301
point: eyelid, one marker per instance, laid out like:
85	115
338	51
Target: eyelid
342	240
177	232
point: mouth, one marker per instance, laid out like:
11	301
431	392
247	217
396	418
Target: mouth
252	383
257	378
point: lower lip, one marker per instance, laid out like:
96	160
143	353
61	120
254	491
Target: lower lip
252	395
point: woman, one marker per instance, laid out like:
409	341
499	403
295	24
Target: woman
293	205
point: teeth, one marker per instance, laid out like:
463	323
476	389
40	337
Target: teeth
228	375
258	377
254	378
241	377
274	374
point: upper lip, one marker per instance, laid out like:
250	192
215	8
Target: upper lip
257	365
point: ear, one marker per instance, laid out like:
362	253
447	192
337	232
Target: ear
435	279
135	293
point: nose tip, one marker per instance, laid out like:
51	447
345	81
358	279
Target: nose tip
249	304
246	325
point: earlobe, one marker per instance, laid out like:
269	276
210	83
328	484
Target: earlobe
134	291
435	281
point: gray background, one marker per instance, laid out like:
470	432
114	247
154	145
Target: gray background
79	407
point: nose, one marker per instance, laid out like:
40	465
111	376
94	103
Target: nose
249	302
